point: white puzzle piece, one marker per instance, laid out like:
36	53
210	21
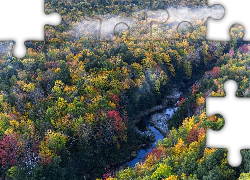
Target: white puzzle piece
234	135
27	23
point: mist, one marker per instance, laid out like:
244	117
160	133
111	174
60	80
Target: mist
105	26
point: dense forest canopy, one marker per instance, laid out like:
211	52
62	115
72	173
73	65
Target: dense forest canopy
68	108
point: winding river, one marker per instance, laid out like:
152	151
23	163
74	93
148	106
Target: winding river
143	152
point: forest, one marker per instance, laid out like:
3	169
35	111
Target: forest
68	109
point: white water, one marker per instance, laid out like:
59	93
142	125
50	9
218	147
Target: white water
170	111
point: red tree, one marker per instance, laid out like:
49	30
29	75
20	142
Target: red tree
244	48
192	136
115	98
180	101
117	121
155	152
9	150
216	71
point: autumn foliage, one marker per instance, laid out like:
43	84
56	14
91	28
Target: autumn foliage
9	149
69	108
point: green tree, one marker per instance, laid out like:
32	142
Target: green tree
64	74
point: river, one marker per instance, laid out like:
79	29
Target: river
143	152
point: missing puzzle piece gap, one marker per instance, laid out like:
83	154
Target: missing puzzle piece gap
218	30
235	112
26	24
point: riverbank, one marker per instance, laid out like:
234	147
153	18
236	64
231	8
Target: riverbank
155	124
157	128
168	101
152	130
160	120
143	152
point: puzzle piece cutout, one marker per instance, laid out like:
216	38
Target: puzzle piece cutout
218	30
24	25
235	111
150	23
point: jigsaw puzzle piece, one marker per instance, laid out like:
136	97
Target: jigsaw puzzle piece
103	27
175	16
115	26
153	22
137	23
149	27
133	22
24	25
88	28
155	19
218	30
185	28
235	111
194	16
